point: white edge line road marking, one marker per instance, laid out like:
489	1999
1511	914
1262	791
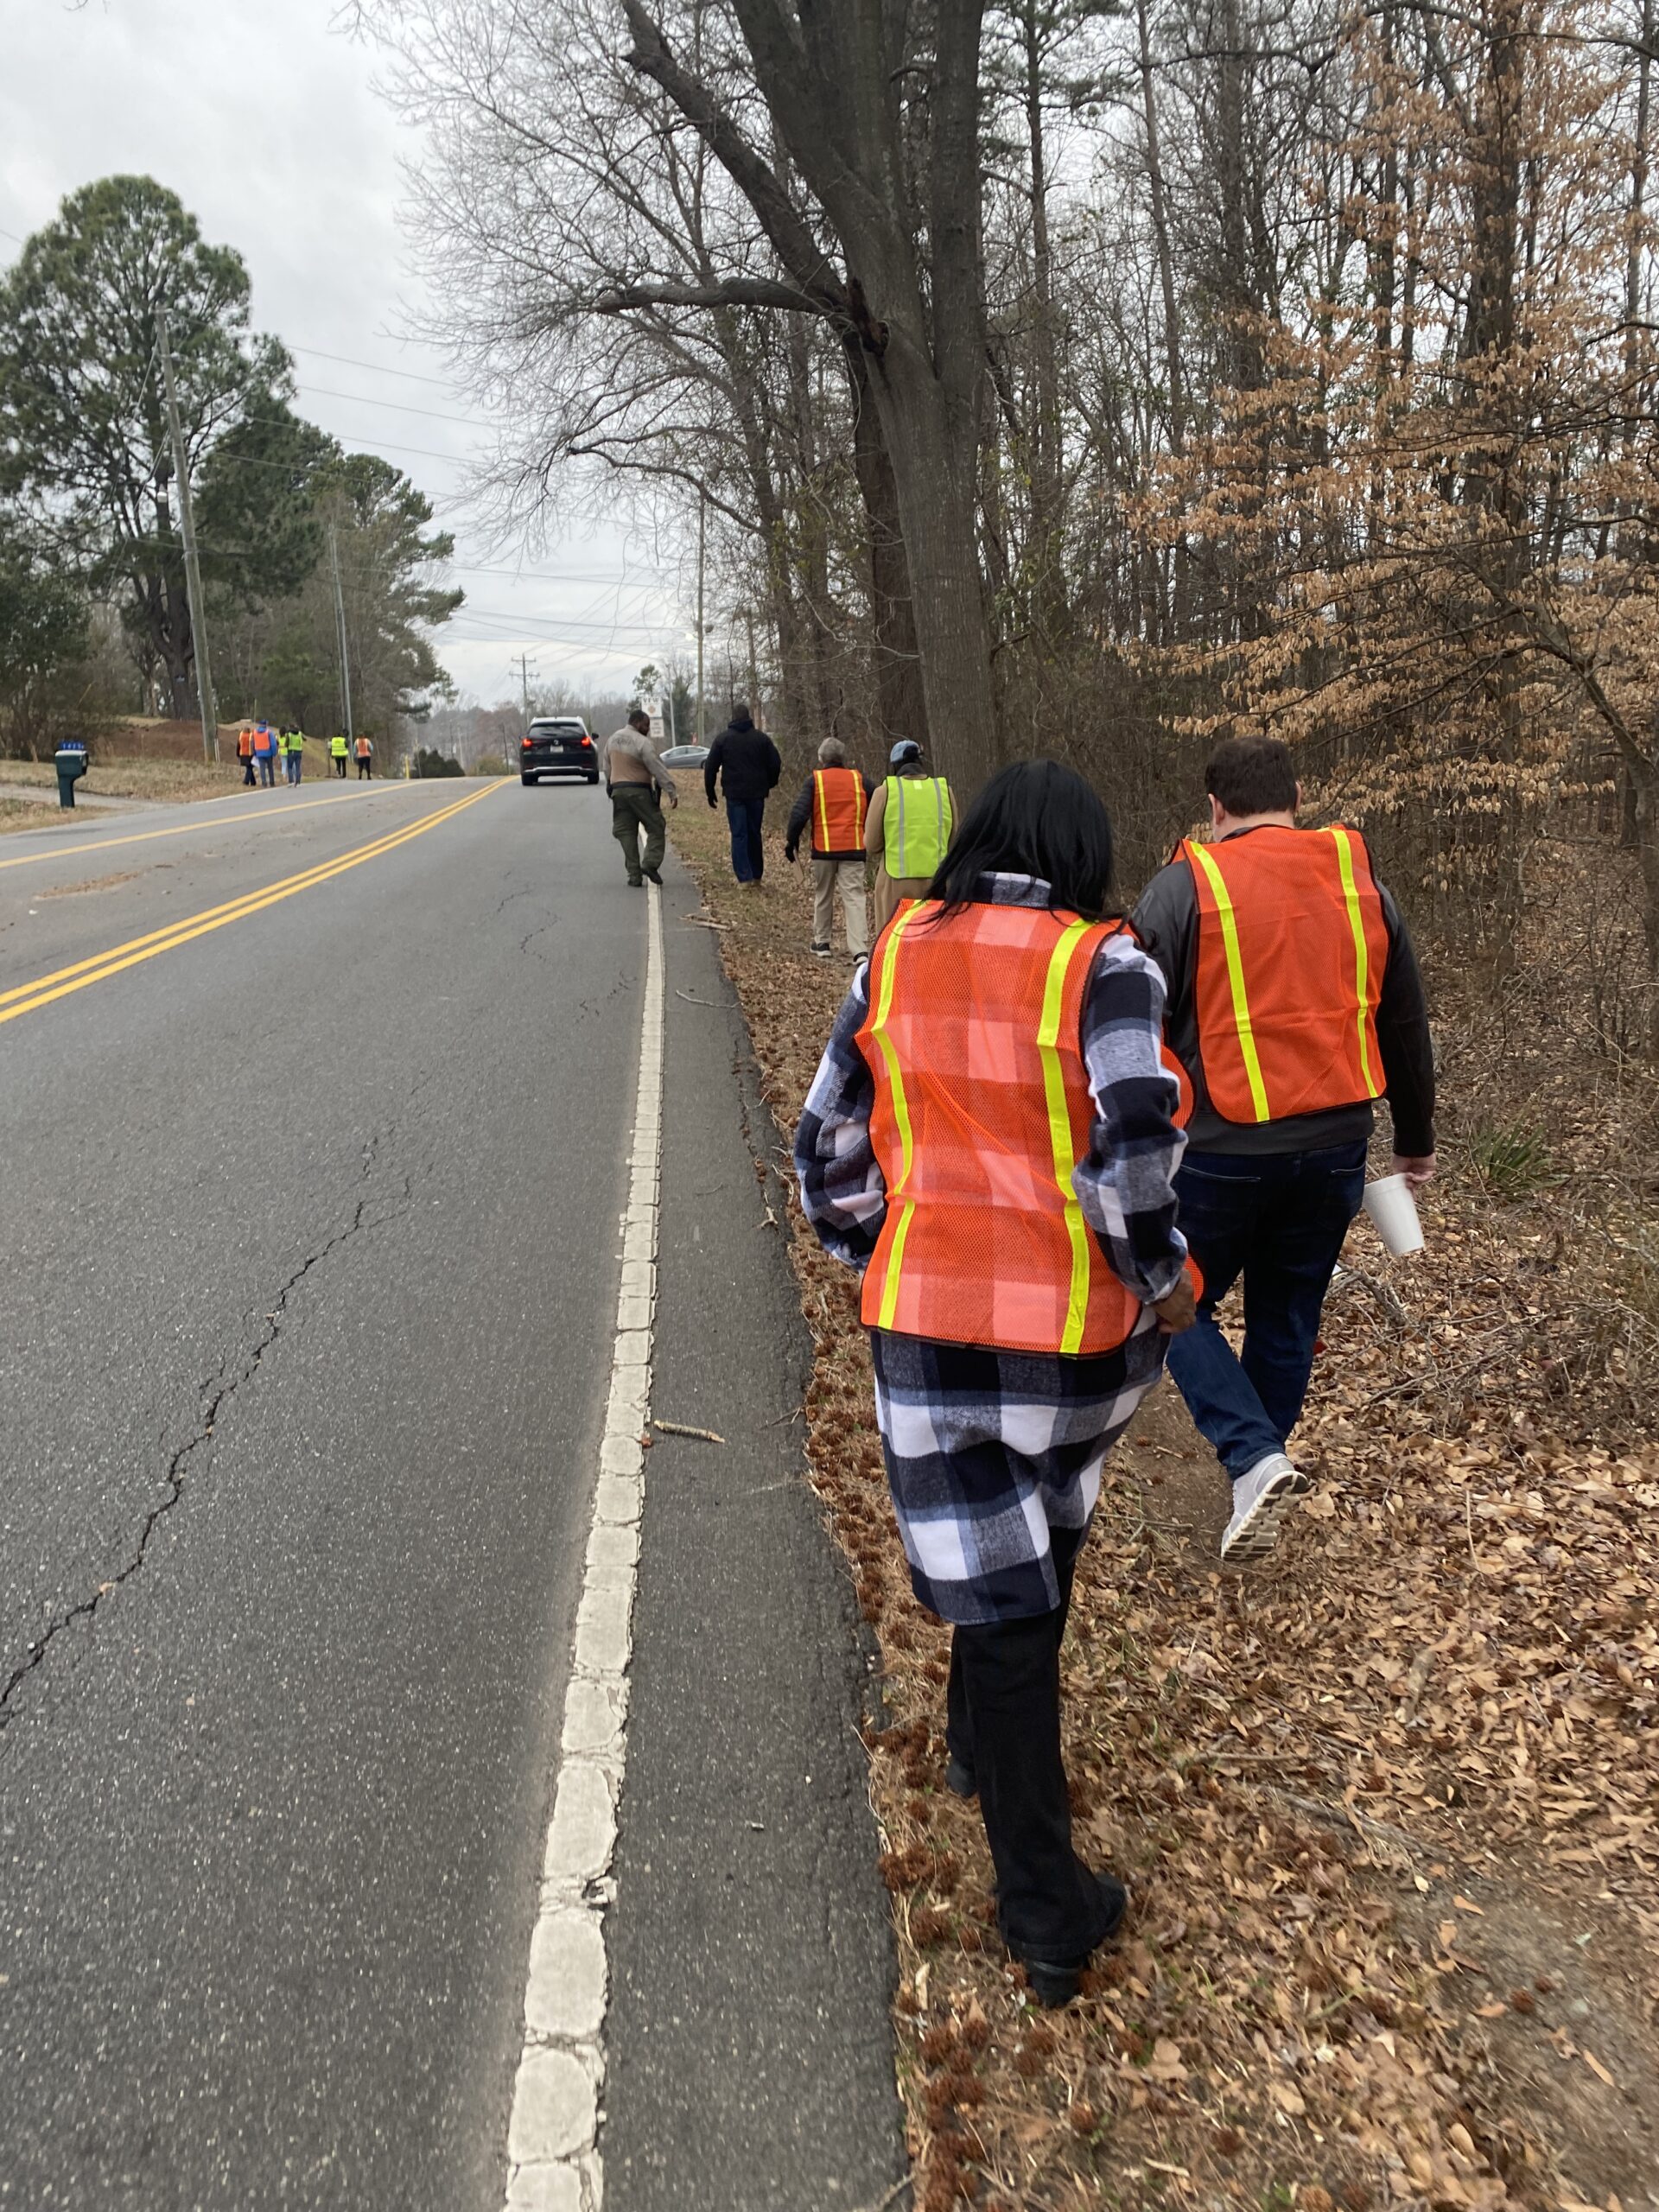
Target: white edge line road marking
553	2160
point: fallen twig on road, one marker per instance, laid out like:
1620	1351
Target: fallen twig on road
683	1428
883	2202
692	999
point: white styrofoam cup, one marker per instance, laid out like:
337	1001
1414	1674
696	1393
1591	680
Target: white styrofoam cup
1393	1211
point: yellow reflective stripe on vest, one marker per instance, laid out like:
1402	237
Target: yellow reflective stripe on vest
900	1114
898	827
1362	951
824	809
1059	1129
1235	980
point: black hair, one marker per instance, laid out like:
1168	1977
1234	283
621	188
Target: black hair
1252	775
1034	817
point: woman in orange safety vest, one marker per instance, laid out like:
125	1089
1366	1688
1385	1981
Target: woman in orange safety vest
991	1139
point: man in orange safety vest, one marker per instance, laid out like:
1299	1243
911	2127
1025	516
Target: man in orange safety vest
1294	1002
832	804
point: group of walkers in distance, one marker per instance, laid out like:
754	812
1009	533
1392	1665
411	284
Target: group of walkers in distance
899	829
1052	1137
263	746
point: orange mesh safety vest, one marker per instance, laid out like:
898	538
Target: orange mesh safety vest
838	812
362	748
1292	949
981	1112
244	744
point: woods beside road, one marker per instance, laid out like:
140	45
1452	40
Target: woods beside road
1034	379
1386	1807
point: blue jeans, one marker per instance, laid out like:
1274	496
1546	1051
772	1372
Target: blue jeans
748	859
267	762
1279	1220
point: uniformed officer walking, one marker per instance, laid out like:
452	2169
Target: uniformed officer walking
1294	1002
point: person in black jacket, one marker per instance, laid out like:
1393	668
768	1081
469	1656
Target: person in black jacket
747	762
1273	1174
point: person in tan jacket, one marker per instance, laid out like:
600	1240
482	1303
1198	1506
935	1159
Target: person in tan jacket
907	830
637	784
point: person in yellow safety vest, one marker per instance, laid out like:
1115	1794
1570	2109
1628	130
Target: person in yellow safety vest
1294	1001
293	754
338	750
991	1139
832	805
907	830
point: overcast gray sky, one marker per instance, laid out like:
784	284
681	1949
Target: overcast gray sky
267	125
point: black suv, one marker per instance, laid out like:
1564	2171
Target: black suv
560	746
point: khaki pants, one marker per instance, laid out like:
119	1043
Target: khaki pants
635	807
850	876
890	889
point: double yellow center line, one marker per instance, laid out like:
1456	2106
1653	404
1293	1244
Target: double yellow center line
26	997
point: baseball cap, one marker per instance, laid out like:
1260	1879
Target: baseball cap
907	749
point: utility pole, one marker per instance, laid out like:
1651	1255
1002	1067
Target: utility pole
702	545
523	674
192	565
339	623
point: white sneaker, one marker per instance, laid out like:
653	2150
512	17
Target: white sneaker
1260	1498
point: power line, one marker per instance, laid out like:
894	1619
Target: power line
546	575
347	362
460	568
506	614
396	407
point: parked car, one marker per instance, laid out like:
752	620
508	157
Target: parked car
558	745
685	756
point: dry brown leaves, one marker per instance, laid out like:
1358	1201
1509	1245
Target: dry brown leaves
1387	1807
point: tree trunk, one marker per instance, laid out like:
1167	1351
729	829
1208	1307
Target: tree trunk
901	698
1643	771
1159	210
831	79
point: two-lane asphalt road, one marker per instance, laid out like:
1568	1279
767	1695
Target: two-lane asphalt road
300	1393
314	1111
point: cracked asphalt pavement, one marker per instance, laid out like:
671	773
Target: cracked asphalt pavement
312	1253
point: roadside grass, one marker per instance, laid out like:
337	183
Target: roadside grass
162	780
29	814
1387	1806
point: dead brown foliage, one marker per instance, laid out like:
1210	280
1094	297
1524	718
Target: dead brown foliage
1386	1807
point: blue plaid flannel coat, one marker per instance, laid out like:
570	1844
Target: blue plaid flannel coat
987	1449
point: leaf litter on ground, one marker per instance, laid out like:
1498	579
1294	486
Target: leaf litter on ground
1388	1805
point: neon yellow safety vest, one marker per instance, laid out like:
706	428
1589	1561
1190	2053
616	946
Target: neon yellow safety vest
293	741
337	746
916	828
